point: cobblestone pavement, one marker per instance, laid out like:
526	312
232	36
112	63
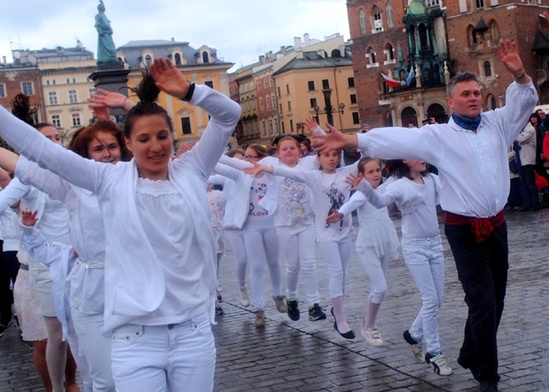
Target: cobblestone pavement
311	356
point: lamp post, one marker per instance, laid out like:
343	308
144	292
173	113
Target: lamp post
317	109
328	105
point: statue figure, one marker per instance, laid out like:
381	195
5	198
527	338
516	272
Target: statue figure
106	52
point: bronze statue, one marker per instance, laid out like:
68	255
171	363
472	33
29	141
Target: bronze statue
106	52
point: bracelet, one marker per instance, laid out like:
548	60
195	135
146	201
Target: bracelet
520	75
189	94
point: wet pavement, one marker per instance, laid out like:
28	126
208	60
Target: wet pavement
311	356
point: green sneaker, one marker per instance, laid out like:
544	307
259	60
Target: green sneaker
316	313
293	310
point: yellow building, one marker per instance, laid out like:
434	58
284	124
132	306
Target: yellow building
317	84
64	85
200	66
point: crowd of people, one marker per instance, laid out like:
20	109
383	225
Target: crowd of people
122	240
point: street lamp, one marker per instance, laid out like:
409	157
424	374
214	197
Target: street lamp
329	109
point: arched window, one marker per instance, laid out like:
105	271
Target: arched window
408	116
148	60
389	53
378	25
177	59
389	11
362	17
371	55
205	57
494	29
437	111
487	68
471	37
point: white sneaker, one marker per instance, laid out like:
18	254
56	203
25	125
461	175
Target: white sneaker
280	302
417	349
372	336
244	299
439	364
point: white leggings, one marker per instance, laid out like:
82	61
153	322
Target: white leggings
236	241
262	246
336	254
376	268
298	251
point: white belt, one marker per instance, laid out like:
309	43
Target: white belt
92	264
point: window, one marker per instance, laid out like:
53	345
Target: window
311	85
495	33
356	118
314	103
378	25
480	4
73	80
389	11
209	83
287	89
53	81
362	17
53	97
351	82
265	84
27	89
73	97
91	91
205	57
258	86
261	103
47	82
487	68
325	84
186	126
280	108
371	56
2	90
283	127
389	53
289	106
56	120
291	126
353	98
148	60
177	59
68	81
278	88
268	101
76	120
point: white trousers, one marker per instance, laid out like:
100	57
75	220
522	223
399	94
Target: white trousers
262	246
235	238
175	357
425	260
95	348
376	268
298	251
336	254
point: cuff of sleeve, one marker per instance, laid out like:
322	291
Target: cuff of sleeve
190	93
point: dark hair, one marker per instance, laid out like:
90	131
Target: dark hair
84	136
147	92
235	151
459	78
272	150
307	143
364	160
399	169
259	150
537	116
20	107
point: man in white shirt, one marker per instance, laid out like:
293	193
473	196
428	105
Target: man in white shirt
471	155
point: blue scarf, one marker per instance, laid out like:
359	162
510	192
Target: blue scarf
467	123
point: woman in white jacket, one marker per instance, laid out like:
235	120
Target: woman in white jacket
160	257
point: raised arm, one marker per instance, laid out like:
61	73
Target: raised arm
31	174
33	145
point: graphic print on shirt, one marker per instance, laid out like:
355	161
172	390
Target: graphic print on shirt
337	199
294	200
258	189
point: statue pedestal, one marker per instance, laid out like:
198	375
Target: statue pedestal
112	77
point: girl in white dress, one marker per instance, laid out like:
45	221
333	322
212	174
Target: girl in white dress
376	245
160	280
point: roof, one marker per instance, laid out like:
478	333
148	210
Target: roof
312	60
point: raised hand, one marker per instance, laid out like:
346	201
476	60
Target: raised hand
508	54
107	99
168	78
354	180
101	112
311	124
257	169
28	218
335	140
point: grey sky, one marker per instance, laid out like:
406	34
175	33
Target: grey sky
240	30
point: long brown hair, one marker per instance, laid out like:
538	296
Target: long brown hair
84	136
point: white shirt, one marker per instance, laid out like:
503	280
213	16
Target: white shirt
473	167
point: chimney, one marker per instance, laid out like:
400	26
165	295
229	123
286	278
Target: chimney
306	39
297	42
4	59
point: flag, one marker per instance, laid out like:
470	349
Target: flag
411	75
392	82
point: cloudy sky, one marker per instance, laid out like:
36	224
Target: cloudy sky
240	30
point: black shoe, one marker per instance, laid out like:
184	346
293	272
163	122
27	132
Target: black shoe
346	335
316	313
293	309
219	311
488	386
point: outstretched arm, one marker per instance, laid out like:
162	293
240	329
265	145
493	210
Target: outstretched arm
335	140
110	100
